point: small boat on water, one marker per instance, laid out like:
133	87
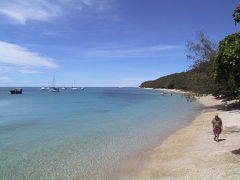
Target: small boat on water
82	89
54	89
74	89
166	94
16	91
42	88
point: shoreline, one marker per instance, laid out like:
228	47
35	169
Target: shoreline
132	167
191	153
169	90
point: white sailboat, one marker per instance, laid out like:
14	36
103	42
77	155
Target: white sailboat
53	88
74	88
48	87
64	87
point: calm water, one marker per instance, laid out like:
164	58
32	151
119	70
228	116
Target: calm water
82	134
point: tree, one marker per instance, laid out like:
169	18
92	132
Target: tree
236	15
199	78
227	66
227	63
201	51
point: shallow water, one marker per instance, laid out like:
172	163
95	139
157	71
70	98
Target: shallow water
83	134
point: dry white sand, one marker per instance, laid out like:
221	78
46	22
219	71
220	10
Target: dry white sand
191	153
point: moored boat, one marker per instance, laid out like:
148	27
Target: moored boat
16	91
54	89
74	89
166	94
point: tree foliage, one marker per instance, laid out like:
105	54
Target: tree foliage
227	66
202	51
197	81
236	15
199	78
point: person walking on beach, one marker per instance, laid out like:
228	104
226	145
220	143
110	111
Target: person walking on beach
217	127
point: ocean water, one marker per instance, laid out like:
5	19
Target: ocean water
83	134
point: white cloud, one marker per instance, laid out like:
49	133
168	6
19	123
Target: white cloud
163	48
135	52
3	78
27	71
115	82
44	10
16	55
25	10
6	69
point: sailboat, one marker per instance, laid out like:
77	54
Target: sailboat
48	87
64	87
74	88
53	88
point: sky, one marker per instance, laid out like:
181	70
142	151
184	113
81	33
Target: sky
103	43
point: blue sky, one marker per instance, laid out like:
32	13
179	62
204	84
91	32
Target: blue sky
103	42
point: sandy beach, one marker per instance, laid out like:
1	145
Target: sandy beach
191	152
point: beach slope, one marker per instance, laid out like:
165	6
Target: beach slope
191	153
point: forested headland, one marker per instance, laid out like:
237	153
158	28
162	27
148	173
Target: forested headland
215	68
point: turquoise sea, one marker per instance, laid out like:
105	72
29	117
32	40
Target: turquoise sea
83	134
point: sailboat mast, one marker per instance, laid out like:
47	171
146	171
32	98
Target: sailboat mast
53	81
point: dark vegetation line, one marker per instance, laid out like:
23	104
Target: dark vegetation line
215	69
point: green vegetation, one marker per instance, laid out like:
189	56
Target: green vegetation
227	66
236	15
199	78
215	70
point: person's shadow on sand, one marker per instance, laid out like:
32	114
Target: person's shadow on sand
221	140
236	151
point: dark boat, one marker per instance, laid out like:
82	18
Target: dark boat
16	91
